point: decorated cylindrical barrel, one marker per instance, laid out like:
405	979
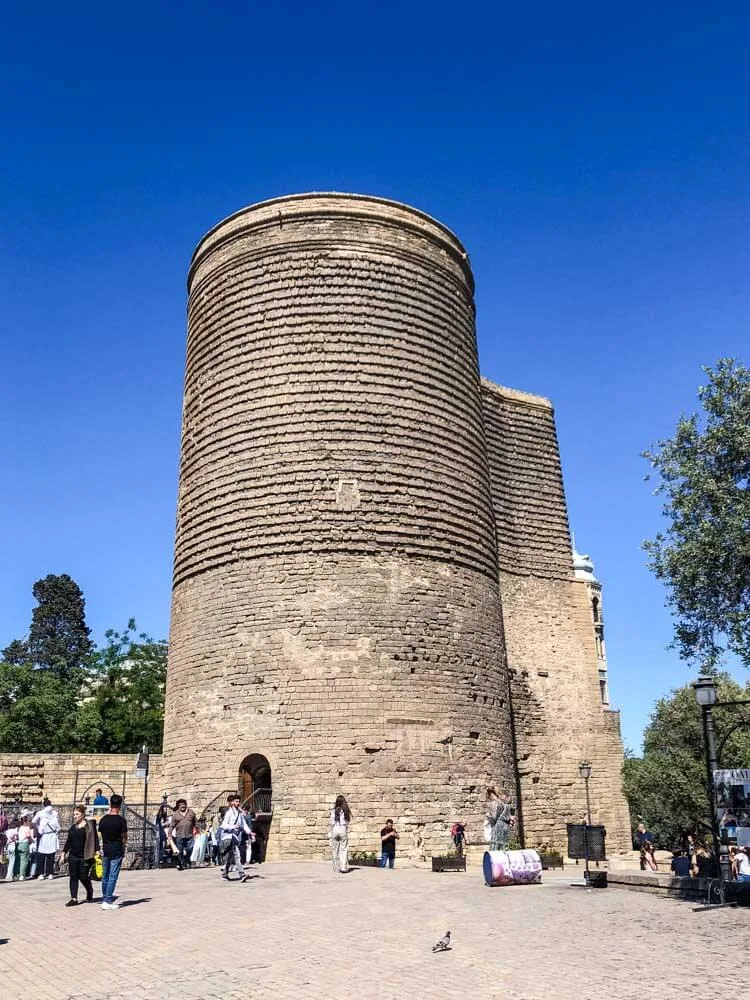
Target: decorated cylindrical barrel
511	867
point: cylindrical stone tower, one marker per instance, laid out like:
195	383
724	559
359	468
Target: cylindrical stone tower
336	620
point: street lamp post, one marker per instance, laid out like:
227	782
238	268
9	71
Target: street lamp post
705	695
584	769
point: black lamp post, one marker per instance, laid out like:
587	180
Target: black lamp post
705	695
584	769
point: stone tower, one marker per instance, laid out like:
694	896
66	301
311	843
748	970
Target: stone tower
336	618
583	569
550	635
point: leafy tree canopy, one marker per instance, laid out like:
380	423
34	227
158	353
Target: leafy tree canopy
666	787
60	694
703	557
127	681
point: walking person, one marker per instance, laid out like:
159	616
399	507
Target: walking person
215	836
499	820
114	833
233	825
184	825
338	833
80	850
161	822
388	838
11	836
24	844
258	849
47	824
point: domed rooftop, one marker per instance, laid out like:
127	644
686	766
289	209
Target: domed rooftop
583	567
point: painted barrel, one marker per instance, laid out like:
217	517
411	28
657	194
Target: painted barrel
511	867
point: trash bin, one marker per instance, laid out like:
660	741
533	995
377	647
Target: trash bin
597	880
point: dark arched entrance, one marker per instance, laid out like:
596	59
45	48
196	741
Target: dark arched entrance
256	792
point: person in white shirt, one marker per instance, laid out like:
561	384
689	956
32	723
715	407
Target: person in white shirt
47	825
338	834
742	863
231	828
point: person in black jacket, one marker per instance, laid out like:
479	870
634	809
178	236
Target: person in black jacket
80	850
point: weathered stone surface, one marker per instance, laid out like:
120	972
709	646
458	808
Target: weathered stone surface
67	778
549	632
336	601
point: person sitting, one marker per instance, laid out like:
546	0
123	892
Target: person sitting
100	799
742	864
703	864
680	864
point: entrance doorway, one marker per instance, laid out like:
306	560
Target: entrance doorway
257	797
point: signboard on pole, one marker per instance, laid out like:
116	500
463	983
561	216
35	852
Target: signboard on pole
732	788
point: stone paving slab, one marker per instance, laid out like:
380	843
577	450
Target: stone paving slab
298	930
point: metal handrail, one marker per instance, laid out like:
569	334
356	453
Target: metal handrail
260	802
216	801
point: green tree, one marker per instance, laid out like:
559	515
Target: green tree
59	639
58	694
703	557
126	689
666	787
37	710
40	677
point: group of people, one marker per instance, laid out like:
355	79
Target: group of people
693	859
499	822
32	843
232	840
696	861
188	841
338	836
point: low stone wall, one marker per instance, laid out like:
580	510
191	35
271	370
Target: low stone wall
67	778
668	885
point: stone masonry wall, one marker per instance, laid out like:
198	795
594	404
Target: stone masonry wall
549	634
28	778
335	603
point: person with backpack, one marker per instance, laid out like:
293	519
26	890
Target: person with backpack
231	828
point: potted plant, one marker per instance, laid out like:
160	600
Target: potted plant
451	861
550	856
364	859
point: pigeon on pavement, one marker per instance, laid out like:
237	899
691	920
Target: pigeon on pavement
444	943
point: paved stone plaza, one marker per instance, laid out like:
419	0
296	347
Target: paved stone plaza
297	930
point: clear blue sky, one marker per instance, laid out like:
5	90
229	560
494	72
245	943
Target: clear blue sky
593	159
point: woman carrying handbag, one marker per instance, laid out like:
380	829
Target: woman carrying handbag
80	850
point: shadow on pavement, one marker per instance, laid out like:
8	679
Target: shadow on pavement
135	902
